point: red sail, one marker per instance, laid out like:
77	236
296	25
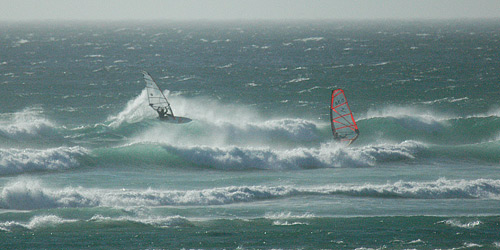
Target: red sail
344	126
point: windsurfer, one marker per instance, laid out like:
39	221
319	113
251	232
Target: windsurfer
344	126
162	112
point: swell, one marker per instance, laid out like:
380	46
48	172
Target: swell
328	155
27	194
138	124
397	124
284	144
50	221
18	161
243	141
97	221
230	158
27	126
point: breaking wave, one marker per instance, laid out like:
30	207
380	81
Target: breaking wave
26	124
31	194
44	221
278	133
137	110
462	224
15	161
36	222
426	125
328	155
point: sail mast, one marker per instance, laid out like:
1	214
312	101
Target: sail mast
156	98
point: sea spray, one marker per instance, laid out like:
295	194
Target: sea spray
15	161
29	123
135	110
283	133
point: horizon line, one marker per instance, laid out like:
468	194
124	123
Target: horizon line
244	19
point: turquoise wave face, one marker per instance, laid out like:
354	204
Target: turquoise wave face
389	136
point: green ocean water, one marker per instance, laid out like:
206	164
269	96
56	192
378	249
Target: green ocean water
85	163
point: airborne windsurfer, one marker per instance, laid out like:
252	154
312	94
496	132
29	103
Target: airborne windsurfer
158	102
163	113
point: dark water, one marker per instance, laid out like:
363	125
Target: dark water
84	163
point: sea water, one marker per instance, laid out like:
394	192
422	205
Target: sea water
85	163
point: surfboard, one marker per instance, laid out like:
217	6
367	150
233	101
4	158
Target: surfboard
344	127
176	119
159	102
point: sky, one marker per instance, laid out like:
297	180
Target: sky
28	10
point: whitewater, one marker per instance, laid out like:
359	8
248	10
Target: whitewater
85	163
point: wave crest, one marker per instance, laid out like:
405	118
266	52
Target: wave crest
26	124
15	161
45	221
28	194
461	224
327	156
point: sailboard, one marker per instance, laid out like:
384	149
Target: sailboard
344	126
159	102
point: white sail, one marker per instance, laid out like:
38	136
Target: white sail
156	98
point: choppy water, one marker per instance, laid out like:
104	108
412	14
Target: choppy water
84	163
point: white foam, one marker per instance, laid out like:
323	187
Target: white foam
45	221
424	115
300	79
27	194
380	64
460	224
278	133
287	223
14	161
417	241
472	245
328	155
447	99
492	112
136	110
440	189
25	124
200	108
36	222
21	41
157	221
30	194
94	56
213	111
288	215
309	39
225	66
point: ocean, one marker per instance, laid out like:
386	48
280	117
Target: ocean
86	164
